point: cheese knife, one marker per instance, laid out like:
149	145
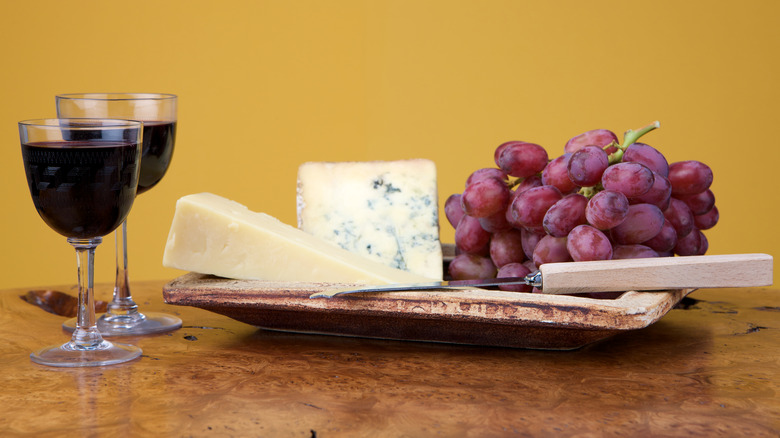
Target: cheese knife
647	274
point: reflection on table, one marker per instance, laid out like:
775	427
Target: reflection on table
709	367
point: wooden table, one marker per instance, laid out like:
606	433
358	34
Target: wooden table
710	368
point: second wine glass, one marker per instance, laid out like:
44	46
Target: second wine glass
158	114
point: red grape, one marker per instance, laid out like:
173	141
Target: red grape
587	165
689	177
506	247
630	179
647	155
699	203
596	137
679	215
642	223
704	245
551	250
586	243
489	172
470	237
636	251
529	207
530	240
453	210
692	244
471	267
501	148
527	183
557	174
514	270
565	214
495	222
658	195
485	197
607	209
665	239
707	220
522	159
510	218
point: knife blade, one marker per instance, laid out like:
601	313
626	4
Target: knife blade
531	279
649	274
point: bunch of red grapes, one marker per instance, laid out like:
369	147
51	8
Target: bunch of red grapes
600	200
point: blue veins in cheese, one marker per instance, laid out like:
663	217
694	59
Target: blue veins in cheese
384	210
214	235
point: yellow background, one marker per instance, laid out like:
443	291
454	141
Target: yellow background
267	85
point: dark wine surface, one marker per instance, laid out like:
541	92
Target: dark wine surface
156	153
159	139
85	190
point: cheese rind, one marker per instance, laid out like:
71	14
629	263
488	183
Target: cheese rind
383	210
213	235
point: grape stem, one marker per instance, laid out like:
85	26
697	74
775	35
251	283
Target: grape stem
629	138
588	192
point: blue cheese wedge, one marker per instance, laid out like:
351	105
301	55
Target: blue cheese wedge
386	211
214	235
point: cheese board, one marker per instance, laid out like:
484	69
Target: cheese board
466	316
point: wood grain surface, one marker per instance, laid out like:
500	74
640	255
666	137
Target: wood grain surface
708	368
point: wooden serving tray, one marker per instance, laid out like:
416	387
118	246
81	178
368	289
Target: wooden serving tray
471	316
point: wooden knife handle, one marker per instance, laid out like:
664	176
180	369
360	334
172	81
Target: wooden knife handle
662	273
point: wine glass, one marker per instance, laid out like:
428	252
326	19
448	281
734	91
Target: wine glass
83	176
158	114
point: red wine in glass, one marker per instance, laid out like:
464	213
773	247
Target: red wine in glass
82	188
83	178
159	138
157	151
158	114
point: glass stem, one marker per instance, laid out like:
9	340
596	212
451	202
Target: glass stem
122	305
86	335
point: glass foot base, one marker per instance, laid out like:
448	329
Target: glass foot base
150	323
67	355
